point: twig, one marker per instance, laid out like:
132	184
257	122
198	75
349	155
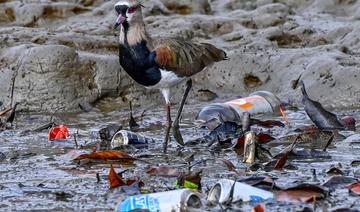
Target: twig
56	110
98	178
12	90
13	79
329	142
75	135
44	127
5	111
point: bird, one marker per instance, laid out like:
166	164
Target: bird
160	63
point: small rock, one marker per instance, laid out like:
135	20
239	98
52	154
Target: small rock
185	7
206	95
85	106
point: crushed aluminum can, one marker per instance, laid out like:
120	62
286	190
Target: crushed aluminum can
260	102
125	138
222	190
176	200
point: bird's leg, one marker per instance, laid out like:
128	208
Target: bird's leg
167	127
176	128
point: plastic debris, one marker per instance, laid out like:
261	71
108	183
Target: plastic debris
225	190
60	132
260	102
176	200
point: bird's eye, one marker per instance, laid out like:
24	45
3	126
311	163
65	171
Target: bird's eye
131	9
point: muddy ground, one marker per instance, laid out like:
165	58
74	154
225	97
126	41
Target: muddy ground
37	174
55	55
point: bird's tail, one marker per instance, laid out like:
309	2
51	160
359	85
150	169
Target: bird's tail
215	53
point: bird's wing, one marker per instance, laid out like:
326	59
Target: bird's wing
185	58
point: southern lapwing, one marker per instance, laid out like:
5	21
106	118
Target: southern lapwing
162	63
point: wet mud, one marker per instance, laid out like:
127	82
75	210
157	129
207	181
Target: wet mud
37	174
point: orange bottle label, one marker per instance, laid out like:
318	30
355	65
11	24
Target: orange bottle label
244	103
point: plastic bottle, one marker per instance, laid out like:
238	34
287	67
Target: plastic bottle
176	200
221	192
260	102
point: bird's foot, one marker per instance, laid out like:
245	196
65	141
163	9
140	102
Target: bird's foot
176	133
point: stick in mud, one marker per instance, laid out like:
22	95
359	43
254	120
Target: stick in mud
329	142
5	111
98	179
250	147
45	127
11	117
132	122
75	140
55	111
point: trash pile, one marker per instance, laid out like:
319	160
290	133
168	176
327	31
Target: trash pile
229	122
230	127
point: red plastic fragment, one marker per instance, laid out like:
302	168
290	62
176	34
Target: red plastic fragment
59	132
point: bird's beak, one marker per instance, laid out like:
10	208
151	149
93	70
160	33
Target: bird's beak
120	19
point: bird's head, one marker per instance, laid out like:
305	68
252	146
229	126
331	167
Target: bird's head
127	11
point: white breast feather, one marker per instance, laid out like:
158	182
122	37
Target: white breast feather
168	80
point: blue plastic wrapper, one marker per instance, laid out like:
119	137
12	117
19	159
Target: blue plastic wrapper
139	202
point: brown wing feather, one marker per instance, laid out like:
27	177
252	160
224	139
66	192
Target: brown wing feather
186	58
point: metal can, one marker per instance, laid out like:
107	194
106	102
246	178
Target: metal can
225	189
260	102
176	200
124	138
